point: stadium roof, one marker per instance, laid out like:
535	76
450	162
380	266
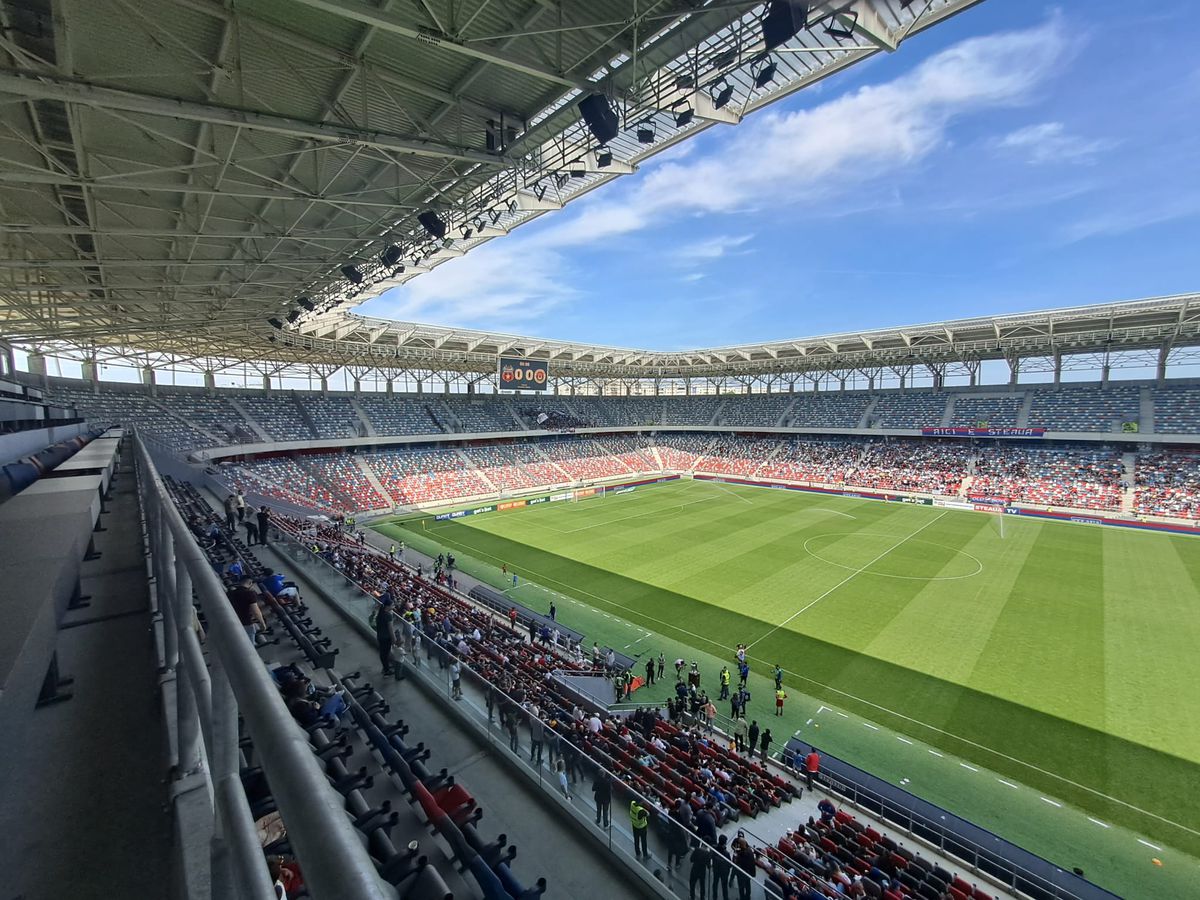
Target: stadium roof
176	174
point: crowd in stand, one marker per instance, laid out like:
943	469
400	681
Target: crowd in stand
1082	479
1168	484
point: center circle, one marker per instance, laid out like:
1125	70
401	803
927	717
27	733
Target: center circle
887	556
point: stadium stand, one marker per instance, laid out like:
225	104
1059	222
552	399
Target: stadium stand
510	466
756	410
985	412
1168	484
696	410
827	411
215	415
681	450
1176	410
480	415
424	476
912	409
399	415
1084	408
279	417
1083	479
332	417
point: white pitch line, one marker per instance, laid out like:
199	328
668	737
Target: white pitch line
843	715
903	740
834	511
872	727
821	709
1150	845
648	512
935	753
1008	784
1098	822
853	574
965	766
1051	802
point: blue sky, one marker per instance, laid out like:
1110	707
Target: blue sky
1018	156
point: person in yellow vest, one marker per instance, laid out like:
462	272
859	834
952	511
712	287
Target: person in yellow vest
780	696
639	819
724	683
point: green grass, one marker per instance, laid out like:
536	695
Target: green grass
1061	657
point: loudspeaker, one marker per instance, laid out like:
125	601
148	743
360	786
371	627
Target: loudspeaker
783	21
430	222
293	315
274	323
352	274
390	256
601	118
305	303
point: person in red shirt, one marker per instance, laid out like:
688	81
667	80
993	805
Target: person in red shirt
512	616
812	766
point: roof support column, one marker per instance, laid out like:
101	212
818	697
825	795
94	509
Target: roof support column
88	370
1164	352
1014	370
1057	367
1106	369
210	382
149	379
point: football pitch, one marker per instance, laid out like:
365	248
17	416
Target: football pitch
1063	656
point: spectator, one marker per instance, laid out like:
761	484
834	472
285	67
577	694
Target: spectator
752	737
251	531
721	866
639	820
765	744
698	875
455	680
812	767
230	512
245	603
264	522
743	858
239	502
385	631
602	792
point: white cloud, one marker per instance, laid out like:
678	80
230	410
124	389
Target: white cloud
772	160
692	277
1142	212
712	248
1049	142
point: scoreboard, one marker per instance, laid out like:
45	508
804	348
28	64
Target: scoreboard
518	373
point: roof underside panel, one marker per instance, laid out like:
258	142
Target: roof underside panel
175	175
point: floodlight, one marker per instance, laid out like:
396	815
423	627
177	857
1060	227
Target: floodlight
721	93
604	160
391	255
432	223
645	132
352	273
684	116
764	72
843	28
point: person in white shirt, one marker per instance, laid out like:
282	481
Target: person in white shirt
594	724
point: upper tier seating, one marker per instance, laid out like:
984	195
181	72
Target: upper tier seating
698	410
1085	479
214	414
1177	409
399	415
333	417
279	417
987	412
828	410
912	409
756	410
1168	484
138	410
1084	408
481	416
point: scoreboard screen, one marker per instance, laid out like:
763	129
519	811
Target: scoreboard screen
517	373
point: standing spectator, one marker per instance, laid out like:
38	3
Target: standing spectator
780	696
662	664
245	603
724	683
251	531
537	732
264	521
752	737
765	744
602	792
650	671
698	875
230	505
385	632
560	771
511	725
512	617
553	744
740	730
489	696
708	710
743	858
553	611
812	767
240	502
778	677
639	820
456	680
721	866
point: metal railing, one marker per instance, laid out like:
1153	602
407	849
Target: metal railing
208	703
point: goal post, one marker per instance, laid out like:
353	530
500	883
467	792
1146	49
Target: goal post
995	511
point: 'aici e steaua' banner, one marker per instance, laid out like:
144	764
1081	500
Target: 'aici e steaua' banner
516	373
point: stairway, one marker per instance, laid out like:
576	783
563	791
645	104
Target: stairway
434	419
220	441
1023	414
347	501
542	453
305	417
478	471
770	456
448	415
1146	411
1129	493
865	421
250	421
787	411
657	457
613	456
716	417
368	428
948	415
369	473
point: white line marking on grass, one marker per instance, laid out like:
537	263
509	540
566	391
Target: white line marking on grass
843	715
1098	822
722	487
1051	802
957	550
935	753
1150	845
872	727
903	740
965	766
853	574
821	709
706	640
834	511
1008	784
649	512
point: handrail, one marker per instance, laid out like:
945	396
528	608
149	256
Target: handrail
336	864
